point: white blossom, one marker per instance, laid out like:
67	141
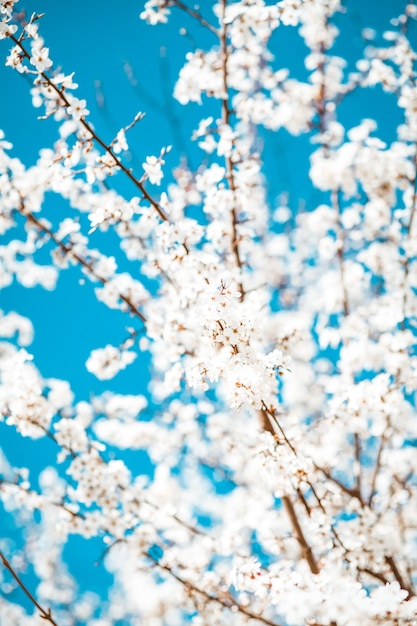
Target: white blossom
106	362
153	169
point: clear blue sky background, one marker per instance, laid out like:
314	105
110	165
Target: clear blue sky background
94	38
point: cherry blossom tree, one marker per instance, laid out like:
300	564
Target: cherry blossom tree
280	416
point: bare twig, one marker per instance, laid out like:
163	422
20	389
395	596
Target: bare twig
44	613
196	15
166	107
226	111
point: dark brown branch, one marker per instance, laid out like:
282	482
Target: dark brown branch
398	576
376	575
45	614
97	139
306	551
268	420
303	501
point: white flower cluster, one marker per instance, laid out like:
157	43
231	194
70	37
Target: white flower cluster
230	355
106	362
6	11
21	399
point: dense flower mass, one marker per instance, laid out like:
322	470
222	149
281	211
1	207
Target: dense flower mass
279	426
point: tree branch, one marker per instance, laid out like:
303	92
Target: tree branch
350	491
228	602
409	232
377	467
228	160
306	551
68	250
45	614
398	576
196	15
97	139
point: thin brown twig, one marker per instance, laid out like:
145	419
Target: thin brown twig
59	505
270	420
358	466
196	15
228	602
164	108
67	249
341	251
226	112
350	491
376	575
377	467
44	613
97	139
